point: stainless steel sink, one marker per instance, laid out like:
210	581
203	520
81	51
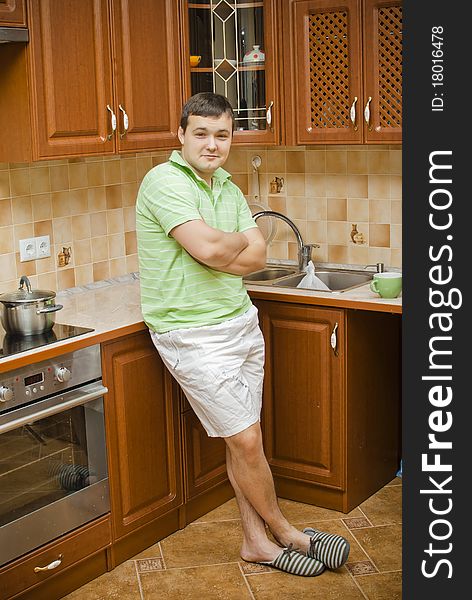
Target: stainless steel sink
336	280
270	273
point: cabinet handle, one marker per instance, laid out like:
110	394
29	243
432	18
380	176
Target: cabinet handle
367	113
269	113
353	113
113	122
50	566
125	121
334	340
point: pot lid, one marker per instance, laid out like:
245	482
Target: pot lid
23	296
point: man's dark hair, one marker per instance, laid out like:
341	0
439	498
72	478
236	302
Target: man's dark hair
205	104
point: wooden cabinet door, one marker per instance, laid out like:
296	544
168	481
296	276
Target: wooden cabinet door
303	407
205	457
12	13
322	71
143	430
147	73
221	33
71	77
383	70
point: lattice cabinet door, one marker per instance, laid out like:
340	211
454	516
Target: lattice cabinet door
382	71
326	66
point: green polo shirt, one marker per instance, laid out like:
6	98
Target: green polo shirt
177	291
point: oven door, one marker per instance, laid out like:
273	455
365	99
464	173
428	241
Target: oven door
53	469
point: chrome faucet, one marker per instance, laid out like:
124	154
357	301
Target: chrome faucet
304	250
379	266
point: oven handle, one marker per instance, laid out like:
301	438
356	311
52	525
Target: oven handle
29	414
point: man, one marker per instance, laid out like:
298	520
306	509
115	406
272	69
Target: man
196	238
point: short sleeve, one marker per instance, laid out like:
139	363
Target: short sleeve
172	199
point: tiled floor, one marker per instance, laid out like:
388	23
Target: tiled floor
201	562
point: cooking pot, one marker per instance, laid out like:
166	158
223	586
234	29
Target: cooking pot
28	312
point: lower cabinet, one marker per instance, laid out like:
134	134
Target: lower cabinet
206	483
144	444
331	408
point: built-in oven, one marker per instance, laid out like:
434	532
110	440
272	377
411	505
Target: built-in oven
53	462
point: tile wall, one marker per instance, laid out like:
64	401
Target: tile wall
87	204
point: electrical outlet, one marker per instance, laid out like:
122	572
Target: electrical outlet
43	246
27	249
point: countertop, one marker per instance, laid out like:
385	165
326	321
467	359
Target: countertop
112	308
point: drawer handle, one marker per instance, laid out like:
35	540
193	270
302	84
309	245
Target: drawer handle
50	566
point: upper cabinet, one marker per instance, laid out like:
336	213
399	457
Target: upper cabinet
343	71
12	13
101	87
233	45
104	78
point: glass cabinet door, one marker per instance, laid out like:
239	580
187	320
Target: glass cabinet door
230	52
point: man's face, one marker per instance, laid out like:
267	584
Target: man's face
206	143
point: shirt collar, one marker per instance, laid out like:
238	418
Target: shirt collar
220	175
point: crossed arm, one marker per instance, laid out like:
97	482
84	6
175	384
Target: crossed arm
235	253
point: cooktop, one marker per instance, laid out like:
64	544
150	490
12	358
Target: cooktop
14	344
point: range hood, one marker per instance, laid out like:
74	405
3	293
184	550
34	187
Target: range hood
13	34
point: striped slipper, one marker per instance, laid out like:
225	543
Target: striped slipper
331	549
291	561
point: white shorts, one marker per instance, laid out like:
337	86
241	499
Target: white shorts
220	368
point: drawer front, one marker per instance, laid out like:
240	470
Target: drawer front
20	574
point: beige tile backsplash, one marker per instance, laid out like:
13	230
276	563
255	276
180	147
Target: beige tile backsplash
87	204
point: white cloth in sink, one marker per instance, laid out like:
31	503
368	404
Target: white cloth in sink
311	281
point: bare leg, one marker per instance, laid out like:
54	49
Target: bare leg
255	486
256	545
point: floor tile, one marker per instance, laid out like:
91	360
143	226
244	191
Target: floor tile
149	564
383	545
296	511
251	568
121	583
382	586
363	567
357	522
196	583
330	585
226	512
203	544
385	506
153	551
396	481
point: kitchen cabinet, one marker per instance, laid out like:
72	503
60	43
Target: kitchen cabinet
144	444
236	43
331	420
103	76
343	71
206	482
12	13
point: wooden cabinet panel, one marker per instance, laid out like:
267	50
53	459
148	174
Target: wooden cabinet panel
205	457
303	393
71	75
12	13
147	73
142	416
343	71
88	63
383	69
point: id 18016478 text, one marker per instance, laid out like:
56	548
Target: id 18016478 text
437	68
